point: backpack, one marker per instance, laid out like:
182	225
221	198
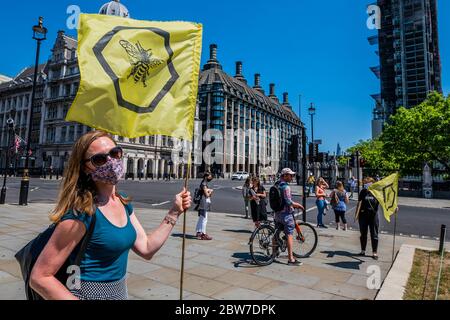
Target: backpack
28	255
198	194
276	200
334	199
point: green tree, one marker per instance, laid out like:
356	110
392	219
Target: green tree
372	153
419	134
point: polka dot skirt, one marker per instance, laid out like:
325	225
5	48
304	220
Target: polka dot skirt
91	290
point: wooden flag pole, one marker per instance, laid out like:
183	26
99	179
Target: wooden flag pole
395	231
183	246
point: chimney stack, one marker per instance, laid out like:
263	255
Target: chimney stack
238	68
212	62
213	52
285	98
257	80
239	74
272	90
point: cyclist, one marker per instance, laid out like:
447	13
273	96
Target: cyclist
285	218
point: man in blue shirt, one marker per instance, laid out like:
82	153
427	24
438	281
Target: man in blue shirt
285	218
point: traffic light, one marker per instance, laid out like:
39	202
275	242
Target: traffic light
313	152
353	161
362	162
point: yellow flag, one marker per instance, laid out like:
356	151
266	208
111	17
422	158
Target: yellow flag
386	192
138	78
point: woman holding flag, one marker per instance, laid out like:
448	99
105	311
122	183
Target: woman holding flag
367	215
89	195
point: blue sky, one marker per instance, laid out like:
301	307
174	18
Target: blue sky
318	49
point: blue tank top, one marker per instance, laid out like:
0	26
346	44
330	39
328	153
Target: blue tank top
106	255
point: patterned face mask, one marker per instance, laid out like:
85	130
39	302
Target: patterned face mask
109	173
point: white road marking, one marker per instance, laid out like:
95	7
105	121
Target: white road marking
34	189
160	204
414	236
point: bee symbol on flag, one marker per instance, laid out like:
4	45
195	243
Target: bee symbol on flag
141	61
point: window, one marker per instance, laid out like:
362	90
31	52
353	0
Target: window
54	91
79	131
63	134
71	133
75	87
51	134
67	90
52	113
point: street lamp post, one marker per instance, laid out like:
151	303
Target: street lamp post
10	123
312	112
358	154
39	34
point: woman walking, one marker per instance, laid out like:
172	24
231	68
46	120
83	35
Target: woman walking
321	195
367	216
246	194
204	207
258	202
339	201
88	190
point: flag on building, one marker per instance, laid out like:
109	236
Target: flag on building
386	192
138	78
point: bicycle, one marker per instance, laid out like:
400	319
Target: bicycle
267	241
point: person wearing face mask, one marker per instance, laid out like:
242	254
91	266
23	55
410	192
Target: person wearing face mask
89	197
367	216
204	207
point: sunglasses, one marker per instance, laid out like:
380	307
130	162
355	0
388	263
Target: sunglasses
101	159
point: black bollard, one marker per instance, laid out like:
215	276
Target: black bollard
442	239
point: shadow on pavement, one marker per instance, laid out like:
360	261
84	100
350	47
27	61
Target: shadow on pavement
245	260
344	264
239	217
180	235
239	231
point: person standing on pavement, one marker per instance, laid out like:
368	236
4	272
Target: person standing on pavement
310	183
88	193
321	195
258	202
367	216
285	219
246	195
352	186
204	207
339	201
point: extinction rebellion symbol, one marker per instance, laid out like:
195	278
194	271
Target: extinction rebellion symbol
141	62
389	195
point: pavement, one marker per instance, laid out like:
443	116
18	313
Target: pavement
221	268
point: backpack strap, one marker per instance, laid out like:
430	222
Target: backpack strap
85	242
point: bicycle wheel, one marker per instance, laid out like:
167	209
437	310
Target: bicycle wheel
261	245
305	242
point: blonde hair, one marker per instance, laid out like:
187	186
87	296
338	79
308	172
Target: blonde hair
77	190
339	186
320	181
368	180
